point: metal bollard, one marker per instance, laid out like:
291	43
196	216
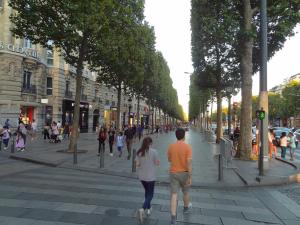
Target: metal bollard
101	156
133	161
220	169
12	146
75	155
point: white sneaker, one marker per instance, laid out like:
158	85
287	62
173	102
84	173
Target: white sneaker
111	154
148	211
141	215
5	148
188	209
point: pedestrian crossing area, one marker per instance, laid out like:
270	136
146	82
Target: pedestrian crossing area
57	196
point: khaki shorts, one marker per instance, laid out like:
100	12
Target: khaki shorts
179	180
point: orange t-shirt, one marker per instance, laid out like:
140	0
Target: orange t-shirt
178	155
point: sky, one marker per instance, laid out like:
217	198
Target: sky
171	21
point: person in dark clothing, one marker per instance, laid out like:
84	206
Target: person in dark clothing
101	138
129	134
140	130
46	131
111	139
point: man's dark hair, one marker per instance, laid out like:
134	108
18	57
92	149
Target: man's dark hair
180	133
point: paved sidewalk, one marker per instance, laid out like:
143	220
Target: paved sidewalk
59	196
205	164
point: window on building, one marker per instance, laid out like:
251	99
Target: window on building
82	90
67	86
1	4
49	85
106	102
27	43
26	79
113	103
49	57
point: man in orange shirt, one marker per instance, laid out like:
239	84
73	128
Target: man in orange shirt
180	159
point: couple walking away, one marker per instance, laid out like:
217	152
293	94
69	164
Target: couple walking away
180	158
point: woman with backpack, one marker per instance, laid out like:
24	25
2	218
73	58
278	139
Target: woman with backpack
146	161
101	138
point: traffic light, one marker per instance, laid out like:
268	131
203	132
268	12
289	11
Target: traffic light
260	114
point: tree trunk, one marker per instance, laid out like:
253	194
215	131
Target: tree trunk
229	115
119	89
155	109
138	110
247	71
75	124
219	115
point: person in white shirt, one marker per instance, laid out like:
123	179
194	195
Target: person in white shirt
146	161
34	129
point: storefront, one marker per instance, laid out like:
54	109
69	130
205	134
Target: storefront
96	116
110	115
48	114
26	114
68	114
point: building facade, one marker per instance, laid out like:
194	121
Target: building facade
36	83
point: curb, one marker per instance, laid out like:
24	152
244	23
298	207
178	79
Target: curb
259	181
36	161
287	162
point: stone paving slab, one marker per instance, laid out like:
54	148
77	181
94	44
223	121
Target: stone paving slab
261	218
275	206
22	221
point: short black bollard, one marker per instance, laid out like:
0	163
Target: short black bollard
220	169
12	146
133	161
101	155
0	143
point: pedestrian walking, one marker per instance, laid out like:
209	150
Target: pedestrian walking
33	129
146	161
283	144
129	134
180	159
46	131
140	131
20	141
292	145
101	138
54	133
120	142
66	131
7	124
272	144
23	131
111	140
5	134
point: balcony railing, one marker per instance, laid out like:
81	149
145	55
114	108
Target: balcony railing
96	100
68	94
84	97
29	90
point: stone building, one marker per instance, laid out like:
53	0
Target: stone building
36	83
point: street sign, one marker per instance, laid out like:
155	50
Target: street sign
260	114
